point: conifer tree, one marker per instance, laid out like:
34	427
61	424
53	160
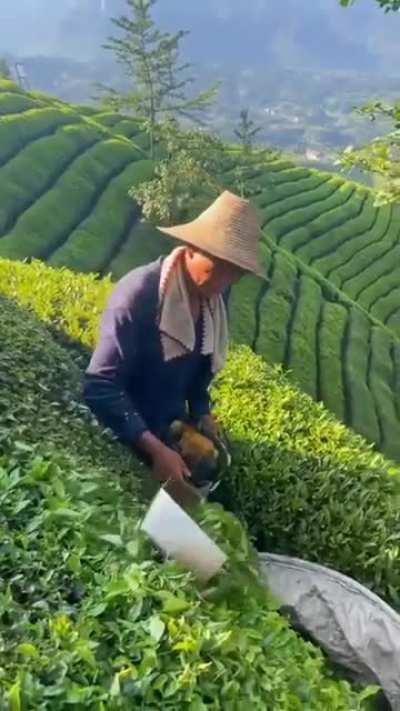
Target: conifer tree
159	80
246	130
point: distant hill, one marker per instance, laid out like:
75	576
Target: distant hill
299	66
331	310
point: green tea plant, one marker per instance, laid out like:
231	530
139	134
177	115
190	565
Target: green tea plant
91	619
304	483
89	615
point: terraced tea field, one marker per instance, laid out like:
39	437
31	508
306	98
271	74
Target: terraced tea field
336	351
64	180
331	310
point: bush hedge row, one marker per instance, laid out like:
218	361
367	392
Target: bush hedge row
34	169
92	246
48	222
305	484
357	253
89	616
17	130
13	103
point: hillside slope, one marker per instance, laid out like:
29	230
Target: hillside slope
90	616
305	484
331	311
64	180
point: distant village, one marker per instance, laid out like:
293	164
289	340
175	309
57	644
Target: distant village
312	130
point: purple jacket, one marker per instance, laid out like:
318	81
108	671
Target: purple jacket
127	385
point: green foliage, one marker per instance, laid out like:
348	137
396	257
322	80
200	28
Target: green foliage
176	192
325	258
302	322
302	355
27	176
70	302
186	178
194	168
45	225
89	616
91	619
305	484
16	131
283	203
13	103
143	244
363	408
93	244
387	5
382	156
300	225
278	302
283	442
41	384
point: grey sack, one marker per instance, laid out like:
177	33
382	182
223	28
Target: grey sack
353	626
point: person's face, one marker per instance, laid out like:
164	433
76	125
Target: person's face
210	274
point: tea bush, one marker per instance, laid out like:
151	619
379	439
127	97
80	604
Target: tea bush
296	199
304	483
35	168
71	302
366	246
13	103
91	619
45	225
17	130
359	225
40	395
89	616
91	247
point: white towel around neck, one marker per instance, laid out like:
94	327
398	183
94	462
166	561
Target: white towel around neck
176	323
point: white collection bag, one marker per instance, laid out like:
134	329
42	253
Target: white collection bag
352	625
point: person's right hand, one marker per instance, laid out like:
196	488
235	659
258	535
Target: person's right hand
169	465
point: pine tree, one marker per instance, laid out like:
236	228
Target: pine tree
246	130
151	61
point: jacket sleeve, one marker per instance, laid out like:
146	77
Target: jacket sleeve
113	361
198	396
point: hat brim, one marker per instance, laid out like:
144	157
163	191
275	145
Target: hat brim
188	234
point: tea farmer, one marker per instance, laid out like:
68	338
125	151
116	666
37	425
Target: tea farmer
164	333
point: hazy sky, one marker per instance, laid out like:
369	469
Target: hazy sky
314	33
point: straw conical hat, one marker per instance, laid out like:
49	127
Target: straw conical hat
228	229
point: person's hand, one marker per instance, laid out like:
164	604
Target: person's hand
169	465
208	425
